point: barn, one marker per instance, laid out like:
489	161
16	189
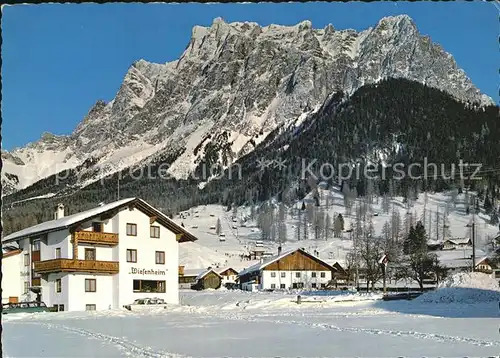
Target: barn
200	279
207	279
294	269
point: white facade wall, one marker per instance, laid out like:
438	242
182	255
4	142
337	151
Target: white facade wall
58	239
228	279
146	257
111	290
12	281
306	277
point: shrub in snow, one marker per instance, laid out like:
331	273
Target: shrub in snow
473	287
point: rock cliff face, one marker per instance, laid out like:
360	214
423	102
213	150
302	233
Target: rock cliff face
234	83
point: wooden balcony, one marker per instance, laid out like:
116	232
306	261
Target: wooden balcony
35	256
181	270
98	238
36	282
68	265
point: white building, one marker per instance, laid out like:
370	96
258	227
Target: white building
13	287
102	258
295	269
228	274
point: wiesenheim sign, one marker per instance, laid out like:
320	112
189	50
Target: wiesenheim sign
136	271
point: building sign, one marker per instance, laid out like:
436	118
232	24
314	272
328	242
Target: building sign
25	273
136	271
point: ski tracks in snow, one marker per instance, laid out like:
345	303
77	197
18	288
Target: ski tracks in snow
374	331
130	349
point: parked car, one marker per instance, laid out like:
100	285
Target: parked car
144	304
28	307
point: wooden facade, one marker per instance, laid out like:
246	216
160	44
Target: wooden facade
298	261
69	265
229	272
97	238
210	280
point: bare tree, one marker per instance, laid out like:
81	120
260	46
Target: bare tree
386	204
371	250
318	223
337	226
327	226
218	227
282	235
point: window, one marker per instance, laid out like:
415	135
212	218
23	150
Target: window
26	259
90	254
97	227
282	285
313	285
90	285
58	285
149	286
273	286
283	274
36	245
323	275
273	274
26	286
58	253
61	308
160	257
131	229
313	274
154	232
323	285
131	255
297	274
90	307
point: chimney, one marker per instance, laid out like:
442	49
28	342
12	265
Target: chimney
59	212
279	250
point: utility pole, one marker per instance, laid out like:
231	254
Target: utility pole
473	246
118	187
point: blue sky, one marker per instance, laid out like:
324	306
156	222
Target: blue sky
59	59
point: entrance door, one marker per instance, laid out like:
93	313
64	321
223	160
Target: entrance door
90	254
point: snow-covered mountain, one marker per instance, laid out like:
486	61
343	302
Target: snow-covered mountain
233	85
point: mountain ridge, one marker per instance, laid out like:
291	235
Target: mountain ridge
239	82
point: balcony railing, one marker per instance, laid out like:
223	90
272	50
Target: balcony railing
68	265
93	237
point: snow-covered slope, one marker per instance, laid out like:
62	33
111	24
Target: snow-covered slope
473	287
232	86
241	233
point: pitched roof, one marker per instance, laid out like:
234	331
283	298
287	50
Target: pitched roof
72	220
259	266
220	270
206	272
458	241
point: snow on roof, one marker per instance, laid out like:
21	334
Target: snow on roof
199	273
259	266
204	273
66	221
459	240
462	262
194	272
222	269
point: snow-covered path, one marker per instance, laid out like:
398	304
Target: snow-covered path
227	324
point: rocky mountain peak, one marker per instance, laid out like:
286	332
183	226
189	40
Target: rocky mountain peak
237	82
